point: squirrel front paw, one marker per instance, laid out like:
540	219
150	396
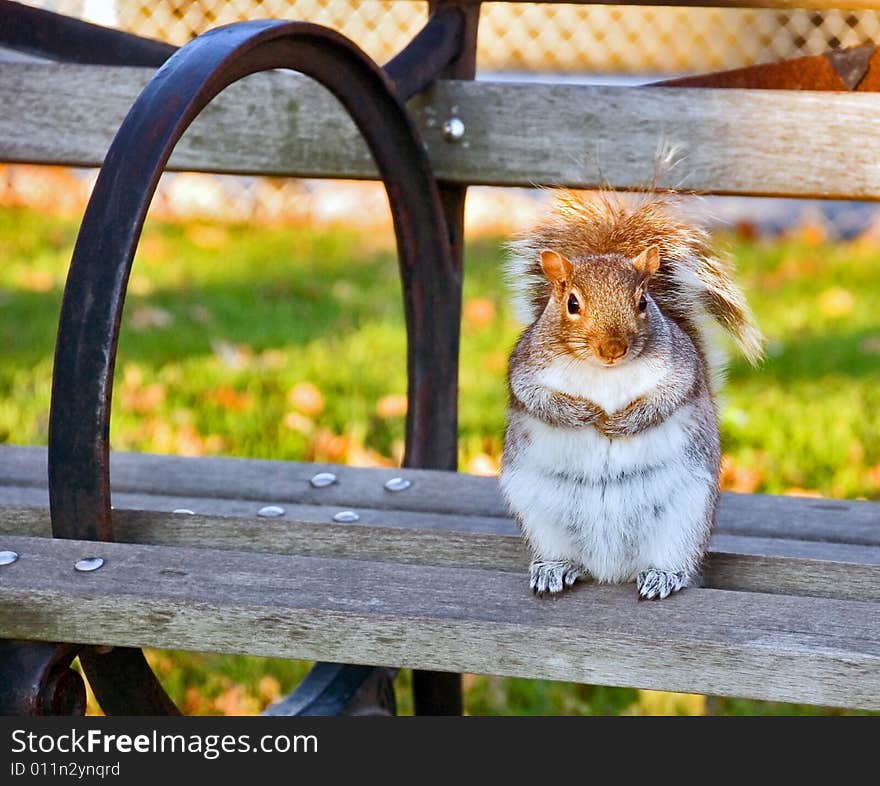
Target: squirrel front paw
654	584
552	576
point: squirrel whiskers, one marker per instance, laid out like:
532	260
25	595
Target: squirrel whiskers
612	451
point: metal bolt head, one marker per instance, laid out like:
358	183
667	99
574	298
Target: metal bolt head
271	512
398	484
88	564
323	479
453	130
346	516
8	557
184	511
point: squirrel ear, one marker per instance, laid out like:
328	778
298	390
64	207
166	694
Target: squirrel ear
648	262
555	266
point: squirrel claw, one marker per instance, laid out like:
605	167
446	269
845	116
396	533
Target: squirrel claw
657	584
552	576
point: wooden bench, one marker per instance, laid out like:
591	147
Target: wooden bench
431	574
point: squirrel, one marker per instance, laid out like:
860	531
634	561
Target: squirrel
612	454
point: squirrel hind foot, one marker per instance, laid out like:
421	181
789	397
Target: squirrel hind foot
552	576
655	584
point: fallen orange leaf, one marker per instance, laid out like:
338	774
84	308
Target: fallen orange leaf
813	234
796	491
745	480
142	400
392	406
229	398
873	475
360	456
495	361
207	236
36	280
327	446
307	398
479	312
269	688
296	421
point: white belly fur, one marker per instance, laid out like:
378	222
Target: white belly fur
616	507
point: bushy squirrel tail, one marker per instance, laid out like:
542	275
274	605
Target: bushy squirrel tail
693	286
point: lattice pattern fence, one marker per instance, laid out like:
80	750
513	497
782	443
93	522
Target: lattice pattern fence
526	36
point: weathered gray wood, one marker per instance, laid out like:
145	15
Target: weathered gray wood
786	567
415	544
849	571
68	114
462	501
761	142
270	481
793	567
775	647
789	575
830	520
735	141
14	56
19	496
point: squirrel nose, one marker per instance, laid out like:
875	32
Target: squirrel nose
612	349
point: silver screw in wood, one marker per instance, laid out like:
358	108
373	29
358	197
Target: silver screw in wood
88	564
8	557
323	479
271	512
346	516
398	484
453	130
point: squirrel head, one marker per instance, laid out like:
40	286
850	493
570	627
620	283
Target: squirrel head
600	309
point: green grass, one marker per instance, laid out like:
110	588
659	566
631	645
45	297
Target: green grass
222	322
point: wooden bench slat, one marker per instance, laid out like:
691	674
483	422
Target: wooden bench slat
735	141
735	563
775	647
8	55
768	519
229	486
29	497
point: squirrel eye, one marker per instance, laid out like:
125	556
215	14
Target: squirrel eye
643	303
573	306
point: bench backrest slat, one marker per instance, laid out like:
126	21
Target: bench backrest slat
733	141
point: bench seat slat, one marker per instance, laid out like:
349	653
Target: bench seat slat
29	497
457	619
735	563
736	141
227	486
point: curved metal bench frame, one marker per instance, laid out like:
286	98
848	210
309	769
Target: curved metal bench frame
428	227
